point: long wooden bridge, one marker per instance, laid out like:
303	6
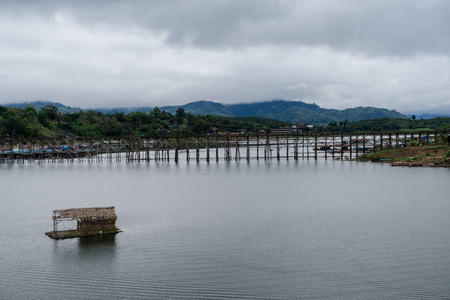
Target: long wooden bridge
207	147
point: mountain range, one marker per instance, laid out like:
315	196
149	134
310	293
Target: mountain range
40	104
288	111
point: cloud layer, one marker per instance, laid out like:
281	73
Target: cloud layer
338	54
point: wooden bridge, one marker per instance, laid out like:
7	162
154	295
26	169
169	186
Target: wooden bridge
207	147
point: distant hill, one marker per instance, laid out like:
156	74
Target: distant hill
125	110
288	111
428	116
282	110
40	104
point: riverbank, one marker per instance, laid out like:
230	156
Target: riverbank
414	156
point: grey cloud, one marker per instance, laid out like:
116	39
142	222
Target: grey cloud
379	27
339	54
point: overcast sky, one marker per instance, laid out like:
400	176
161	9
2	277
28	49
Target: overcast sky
338	54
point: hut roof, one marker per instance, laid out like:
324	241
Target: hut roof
89	213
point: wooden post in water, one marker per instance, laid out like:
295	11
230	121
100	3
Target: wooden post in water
217	148
334	147
155	147
187	150
147	148
237	154
248	148
303	146
197	150
315	146
278	148
207	149
257	147
176	149
267	149
287	147
227	150
364	144
296	147
166	149
350	146
307	147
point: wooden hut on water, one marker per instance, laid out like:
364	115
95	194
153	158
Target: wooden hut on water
90	221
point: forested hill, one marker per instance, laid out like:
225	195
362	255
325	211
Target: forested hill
37	105
287	111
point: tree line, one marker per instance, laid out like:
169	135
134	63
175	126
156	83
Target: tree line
48	122
387	124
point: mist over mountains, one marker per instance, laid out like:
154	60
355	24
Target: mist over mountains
288	111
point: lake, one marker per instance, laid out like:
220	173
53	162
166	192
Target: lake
229	230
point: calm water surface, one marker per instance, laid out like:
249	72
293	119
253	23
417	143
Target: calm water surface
258	230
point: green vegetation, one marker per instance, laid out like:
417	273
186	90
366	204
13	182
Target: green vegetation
387	124
287	111
48	121
38	105
384	155
413	155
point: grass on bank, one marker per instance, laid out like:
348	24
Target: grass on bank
427	155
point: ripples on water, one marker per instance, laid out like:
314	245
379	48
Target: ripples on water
263	230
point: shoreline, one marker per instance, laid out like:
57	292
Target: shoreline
413	156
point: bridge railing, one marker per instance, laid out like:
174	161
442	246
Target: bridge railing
207	147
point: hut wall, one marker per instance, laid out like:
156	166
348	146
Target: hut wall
96	225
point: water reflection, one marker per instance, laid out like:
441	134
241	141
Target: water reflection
87	243
86	250
99	248
265	230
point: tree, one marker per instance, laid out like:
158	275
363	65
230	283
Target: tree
200	125
2	127
51	111
43	118
157	112
180	114
16	125
2	110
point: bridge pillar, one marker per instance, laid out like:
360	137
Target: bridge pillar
197	150
278	148
248	148
257	147
187	150
287	148
217	148
315	146
207	149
